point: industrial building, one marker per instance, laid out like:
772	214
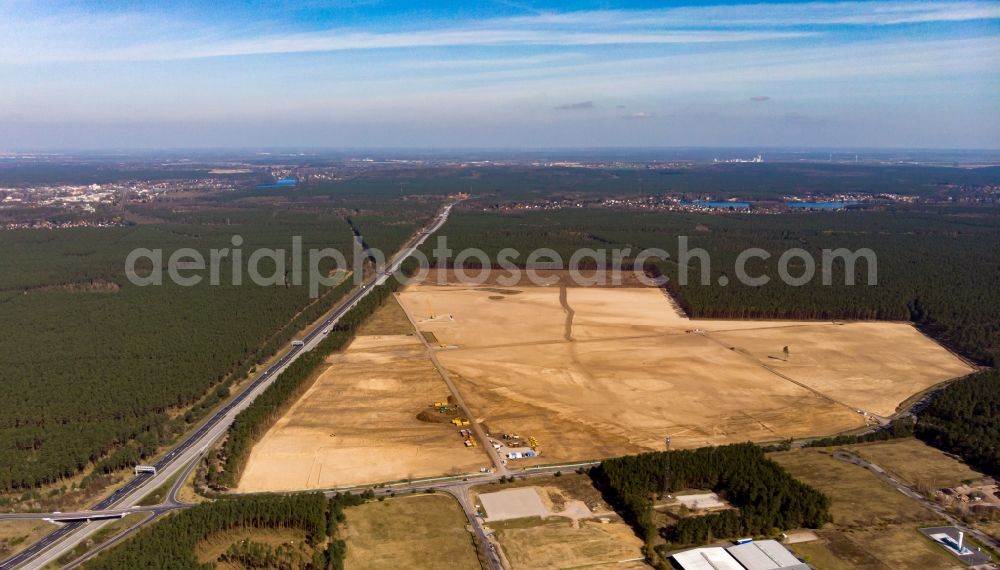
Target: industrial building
751	555
765	555
707	558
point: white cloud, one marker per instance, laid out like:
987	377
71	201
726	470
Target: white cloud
50	36
784	14
54	48
639	115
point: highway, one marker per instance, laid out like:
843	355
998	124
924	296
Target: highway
458	486
60	541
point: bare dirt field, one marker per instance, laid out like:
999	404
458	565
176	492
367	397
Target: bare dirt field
567	525
513	504
358	423
556	543
420	532
598	372
871	366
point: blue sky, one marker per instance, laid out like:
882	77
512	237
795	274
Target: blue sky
512	73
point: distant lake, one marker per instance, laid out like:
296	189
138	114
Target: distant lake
718	204
283	183
831	205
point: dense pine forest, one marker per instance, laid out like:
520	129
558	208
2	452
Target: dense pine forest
171	543
937	266
100	372
765	496
965	420
768	181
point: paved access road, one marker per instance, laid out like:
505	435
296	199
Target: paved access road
60	541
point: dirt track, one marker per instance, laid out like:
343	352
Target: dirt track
626	369
357	424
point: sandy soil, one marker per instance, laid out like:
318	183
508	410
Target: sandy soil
872	366
553	526
598	372
556	543
513	504
357	424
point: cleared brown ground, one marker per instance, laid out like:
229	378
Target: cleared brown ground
552	277
558	541
555	543
598	372
916	463
871	366
358	423
421	532
874	526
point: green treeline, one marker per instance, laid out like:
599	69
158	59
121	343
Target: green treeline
965	420
896	429
251	423
98	376
766	497
101	373
171	543
936	266
769	181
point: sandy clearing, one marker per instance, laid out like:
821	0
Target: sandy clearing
635	370
513	504
872	366
569	534
558	544
431	310
357	424
600	399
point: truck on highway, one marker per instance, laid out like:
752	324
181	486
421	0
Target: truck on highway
298	343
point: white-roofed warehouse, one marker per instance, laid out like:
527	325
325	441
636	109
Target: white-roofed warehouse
765	555
709	558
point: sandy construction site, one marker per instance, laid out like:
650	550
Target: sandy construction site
598	372
563	524
358	424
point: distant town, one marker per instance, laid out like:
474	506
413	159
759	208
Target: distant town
33	194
